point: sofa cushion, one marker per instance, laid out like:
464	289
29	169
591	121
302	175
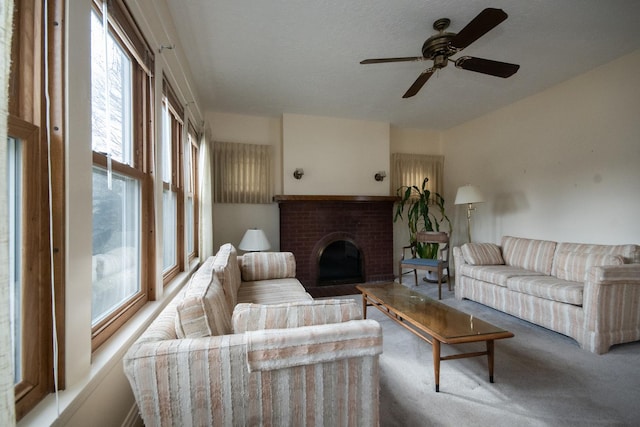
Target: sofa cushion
228	272
548	287
482	254
272	291
202	310
253	317
574	266
535	255
496	274
630	253
267	265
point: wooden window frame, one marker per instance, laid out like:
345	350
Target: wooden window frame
27	122
194	152
125	31
176	186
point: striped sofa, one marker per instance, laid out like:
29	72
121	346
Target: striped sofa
244	344
588	292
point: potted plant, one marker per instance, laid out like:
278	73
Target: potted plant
419	218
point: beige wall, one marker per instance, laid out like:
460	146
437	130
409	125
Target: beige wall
563	164
230	221
339	156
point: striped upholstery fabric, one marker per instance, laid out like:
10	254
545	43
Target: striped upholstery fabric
536	255
599	307
228	272
630	253
252	317
482	254
205	381
203	309
272	291
574	265
271	349
267	265
548	287
497	274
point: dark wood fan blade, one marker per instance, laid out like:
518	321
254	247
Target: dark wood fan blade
417	85
401	59
487	66
478	27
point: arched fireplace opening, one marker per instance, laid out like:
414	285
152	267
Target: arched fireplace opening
339	263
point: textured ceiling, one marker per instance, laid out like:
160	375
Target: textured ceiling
283	56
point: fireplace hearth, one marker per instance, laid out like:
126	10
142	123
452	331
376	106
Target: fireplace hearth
338	241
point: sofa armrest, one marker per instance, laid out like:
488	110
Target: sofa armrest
611	306
271	349
206	381
458	262
267	265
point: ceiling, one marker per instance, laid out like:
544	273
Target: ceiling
272	57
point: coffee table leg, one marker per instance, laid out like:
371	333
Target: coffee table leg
490	357
436	362
364	306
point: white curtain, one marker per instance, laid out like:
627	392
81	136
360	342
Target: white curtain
7	405
205	199
411	169
242	173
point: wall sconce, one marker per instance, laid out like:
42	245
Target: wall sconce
380	176
297	174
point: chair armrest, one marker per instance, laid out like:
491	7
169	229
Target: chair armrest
404	251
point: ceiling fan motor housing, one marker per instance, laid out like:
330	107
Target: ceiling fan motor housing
439	49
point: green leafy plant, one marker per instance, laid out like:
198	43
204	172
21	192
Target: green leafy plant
417	202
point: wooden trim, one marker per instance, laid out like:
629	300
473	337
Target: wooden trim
333	198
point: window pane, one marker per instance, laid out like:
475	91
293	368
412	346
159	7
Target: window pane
116	242
169	210
166	142
111	72
14	180
189	225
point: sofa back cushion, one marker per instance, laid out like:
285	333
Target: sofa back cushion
267	265
202	310
629	253
228	272
574	266
530	254
482	254
253	317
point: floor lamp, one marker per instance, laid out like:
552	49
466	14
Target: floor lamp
468	194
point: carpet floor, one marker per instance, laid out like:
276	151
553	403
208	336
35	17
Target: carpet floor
542	378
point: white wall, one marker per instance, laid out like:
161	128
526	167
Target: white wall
339	156
562	165
230	221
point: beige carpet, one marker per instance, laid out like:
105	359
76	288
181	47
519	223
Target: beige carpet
542	378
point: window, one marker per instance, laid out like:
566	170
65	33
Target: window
34	228
122	261
172	185
411	169
242	173
191	189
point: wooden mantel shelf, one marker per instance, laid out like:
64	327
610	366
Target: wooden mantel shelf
334	198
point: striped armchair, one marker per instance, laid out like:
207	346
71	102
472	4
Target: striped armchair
215	358
588	292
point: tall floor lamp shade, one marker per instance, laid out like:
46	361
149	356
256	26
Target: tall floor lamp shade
254	240
469	194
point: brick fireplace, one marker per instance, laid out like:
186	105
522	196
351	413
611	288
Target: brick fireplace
309	224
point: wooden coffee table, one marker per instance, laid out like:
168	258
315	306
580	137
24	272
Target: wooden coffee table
432	321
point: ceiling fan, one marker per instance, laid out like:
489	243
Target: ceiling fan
441	46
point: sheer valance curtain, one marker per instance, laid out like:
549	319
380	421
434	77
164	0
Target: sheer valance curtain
7	408
242	173
411	169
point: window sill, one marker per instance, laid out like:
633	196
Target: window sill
108	357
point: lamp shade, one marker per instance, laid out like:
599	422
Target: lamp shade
468	194
254	240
